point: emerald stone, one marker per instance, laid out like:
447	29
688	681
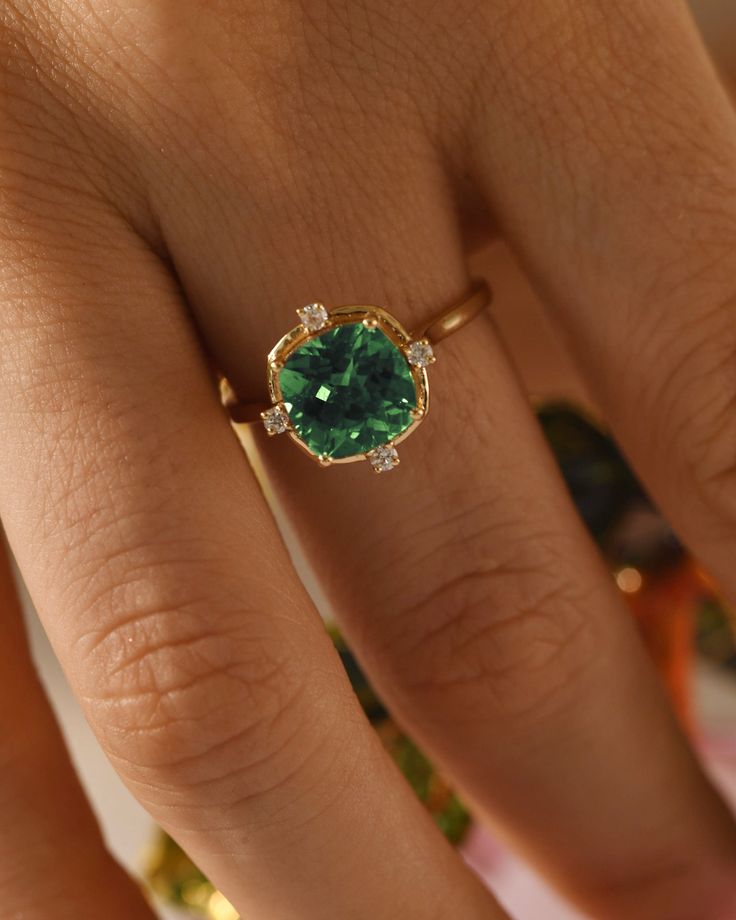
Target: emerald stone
348	391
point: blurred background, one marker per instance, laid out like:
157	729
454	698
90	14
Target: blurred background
690	633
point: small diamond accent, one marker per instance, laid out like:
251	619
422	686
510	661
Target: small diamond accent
275	420
384	458
420	353
314	316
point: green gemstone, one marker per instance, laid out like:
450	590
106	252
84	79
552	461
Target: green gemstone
347	391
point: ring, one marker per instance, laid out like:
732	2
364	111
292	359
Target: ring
351	383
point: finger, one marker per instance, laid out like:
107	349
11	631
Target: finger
42	803
622	167
168	596
465	580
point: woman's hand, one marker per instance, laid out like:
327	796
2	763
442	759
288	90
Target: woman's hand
177	177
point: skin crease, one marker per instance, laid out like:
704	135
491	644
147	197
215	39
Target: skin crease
174	177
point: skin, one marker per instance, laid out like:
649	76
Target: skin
177	177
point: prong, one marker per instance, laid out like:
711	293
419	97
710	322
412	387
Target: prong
419	353
324	460
383	458
275	420
313	317
370	322
417	413
433	357
276	365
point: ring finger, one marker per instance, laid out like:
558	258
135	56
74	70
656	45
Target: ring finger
167	593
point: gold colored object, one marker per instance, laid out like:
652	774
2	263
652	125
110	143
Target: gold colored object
452	320
373	318
416	348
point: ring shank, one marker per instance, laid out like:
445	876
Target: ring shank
450	321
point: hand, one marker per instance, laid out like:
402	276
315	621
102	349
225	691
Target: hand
178	176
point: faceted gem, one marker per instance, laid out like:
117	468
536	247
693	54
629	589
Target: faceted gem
275	420
314	316
348	391
384	458
420	353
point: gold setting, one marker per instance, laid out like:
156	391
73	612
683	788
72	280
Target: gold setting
372	318
315	320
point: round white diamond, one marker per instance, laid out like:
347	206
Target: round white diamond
313	316
384	458
275	420
420	353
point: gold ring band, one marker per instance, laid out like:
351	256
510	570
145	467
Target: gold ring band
450	321
351	383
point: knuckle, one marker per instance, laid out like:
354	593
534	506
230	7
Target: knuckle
695	403
509	637
186	689
713	418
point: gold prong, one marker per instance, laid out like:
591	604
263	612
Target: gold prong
313	316
380	455
417	413
419	353
276	365
370	322
324	460
394	464
275	420
434	356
